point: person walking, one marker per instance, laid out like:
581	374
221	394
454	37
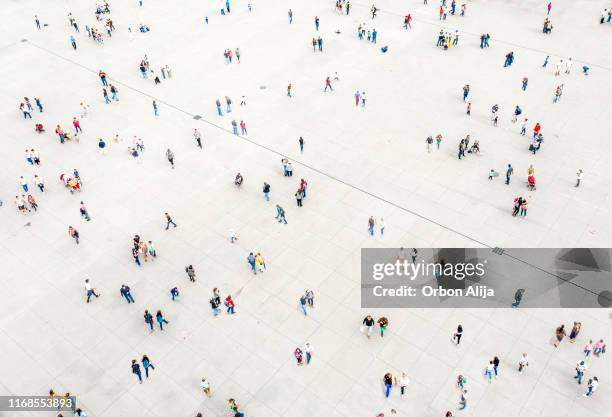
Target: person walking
146	364
136	370
89	290
73	42
581	368
125	293
73	233
174	292
368	322
290	13
301	143
170	156
84	212
388	381
463	399
155	109
383	323
591	386
489	371
190	273
371	225
148	318
280	214
169	221
302	304
160	319
457	335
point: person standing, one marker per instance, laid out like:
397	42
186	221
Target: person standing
73	42
575	331
591	386
402	381
198	137
301	143
299	196
316	21
496	366
581	368
308	350
579	176
37	21
266	191
509	172
136	370
489	371
89	290
371	224
146	364
169	221
205	386
290	13
174	292
523	362
559	335
230	305
155	109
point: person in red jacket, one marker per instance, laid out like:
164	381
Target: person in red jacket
229	303
303	185
77	125
536	129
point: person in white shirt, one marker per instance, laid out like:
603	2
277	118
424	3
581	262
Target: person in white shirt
579	176
402	381
523	362
308	351
198	137
205	386
592	386
89	290
581	368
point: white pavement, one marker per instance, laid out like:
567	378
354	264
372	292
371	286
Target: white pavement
358	162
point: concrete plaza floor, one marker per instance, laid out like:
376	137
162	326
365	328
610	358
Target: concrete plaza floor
358	162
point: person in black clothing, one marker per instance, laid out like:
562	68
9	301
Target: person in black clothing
369	323
496	365
148	319
457	335
136	370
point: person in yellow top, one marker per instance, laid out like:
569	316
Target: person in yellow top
530	170
260	262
